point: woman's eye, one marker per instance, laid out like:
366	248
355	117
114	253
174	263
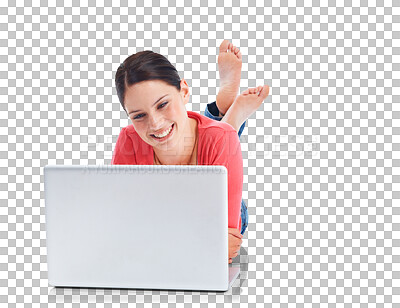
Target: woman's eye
138	116
141	115
162	105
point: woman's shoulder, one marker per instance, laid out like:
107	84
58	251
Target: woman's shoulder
210	126
128	133
131	149
217	140
128	130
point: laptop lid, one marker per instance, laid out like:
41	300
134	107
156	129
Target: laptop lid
142	227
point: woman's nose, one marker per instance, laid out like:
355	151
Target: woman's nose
154	122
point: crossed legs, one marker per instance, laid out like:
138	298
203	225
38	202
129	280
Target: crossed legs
235	109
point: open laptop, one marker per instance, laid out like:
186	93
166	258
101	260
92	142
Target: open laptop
139	227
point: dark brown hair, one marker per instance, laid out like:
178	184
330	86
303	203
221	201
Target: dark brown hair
143	66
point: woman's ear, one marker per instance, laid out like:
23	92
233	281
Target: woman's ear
185	91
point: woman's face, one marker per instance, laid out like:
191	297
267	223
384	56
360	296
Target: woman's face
157	111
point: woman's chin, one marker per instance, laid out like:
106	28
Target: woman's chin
166	146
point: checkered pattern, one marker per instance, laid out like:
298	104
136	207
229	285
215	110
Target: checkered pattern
321	156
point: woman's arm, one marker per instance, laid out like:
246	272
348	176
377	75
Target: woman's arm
229	154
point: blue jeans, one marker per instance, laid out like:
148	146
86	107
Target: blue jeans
212	112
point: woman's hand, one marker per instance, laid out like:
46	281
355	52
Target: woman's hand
234	243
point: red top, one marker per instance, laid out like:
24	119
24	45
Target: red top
218	144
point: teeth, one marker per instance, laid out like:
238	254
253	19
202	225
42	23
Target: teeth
164	133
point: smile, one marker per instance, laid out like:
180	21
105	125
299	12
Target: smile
164	134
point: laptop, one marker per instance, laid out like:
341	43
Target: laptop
138	227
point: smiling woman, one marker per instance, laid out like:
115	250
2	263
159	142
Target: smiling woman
158	114
163	132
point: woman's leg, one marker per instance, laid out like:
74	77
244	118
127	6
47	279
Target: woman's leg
234	110
244	217
229	67
244	106
213	112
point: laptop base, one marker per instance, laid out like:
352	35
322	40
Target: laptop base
234	272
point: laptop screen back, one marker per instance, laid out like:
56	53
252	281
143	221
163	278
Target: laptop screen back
156	227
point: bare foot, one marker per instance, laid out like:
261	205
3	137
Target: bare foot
229	66
245	105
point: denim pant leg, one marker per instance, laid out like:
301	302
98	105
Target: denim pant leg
212	112
244	216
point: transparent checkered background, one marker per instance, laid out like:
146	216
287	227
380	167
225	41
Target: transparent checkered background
321	156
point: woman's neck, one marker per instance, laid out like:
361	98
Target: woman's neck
186	151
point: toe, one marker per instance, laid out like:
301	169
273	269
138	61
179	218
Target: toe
224	46
250	91
264	92
245	92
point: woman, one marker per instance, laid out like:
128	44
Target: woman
164	133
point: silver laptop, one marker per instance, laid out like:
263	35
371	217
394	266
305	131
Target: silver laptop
140	227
